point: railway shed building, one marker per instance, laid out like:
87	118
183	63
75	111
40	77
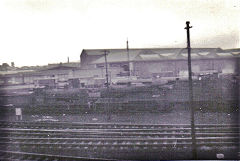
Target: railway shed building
161	62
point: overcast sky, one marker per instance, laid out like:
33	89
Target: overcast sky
38	32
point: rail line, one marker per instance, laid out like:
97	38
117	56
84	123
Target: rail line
114	141
16	156
68	125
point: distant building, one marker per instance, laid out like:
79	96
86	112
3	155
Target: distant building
161	62
53	77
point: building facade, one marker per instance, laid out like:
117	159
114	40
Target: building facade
161	62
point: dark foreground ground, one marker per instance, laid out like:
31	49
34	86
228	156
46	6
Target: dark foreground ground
60	146
176	116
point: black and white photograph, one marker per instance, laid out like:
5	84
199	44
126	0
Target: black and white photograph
119	80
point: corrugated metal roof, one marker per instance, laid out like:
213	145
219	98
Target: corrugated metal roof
117	56
152	54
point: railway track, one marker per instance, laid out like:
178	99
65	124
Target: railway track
76	141
72	125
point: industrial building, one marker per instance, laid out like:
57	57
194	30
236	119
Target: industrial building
147	64
161	62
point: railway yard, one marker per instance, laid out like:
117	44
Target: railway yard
149	123
154	99
96	141
93	136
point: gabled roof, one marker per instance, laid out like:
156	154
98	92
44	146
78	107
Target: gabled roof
154	54
117	56
15	72
60	67
233	50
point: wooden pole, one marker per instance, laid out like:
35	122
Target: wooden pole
194	150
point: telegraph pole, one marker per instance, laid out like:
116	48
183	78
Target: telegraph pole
107	95
106	64
194	150
128	60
